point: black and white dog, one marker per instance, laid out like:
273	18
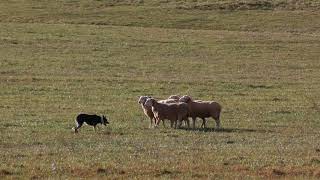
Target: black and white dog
91	120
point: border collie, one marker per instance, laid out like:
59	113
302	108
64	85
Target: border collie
90	119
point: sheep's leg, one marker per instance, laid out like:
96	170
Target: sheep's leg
94	128
171	125
152	122
184	122
164	125
188	123
157	121
217	119
203	125
194	122
178	122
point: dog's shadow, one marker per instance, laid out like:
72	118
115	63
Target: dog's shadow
227	130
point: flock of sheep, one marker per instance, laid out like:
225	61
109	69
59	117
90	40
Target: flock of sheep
178	109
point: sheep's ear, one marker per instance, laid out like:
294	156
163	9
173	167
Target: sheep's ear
187	99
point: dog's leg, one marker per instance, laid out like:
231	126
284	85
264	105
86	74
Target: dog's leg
94	128
75	129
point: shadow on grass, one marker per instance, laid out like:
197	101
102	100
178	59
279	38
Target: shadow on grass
228	130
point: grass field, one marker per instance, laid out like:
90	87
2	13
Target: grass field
258	59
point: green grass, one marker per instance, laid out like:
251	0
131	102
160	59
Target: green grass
59	58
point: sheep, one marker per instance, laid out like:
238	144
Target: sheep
146	109
203	109
175	112
169	101
174	97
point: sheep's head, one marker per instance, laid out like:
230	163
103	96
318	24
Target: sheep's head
174	97
185	99
143	99
150	102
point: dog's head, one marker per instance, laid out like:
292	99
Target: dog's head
104	120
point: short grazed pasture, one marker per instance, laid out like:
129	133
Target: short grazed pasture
59	58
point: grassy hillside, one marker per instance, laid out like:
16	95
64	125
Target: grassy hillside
259	59
250	15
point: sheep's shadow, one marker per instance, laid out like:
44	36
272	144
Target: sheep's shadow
228	130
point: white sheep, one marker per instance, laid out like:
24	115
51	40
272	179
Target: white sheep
169	101
203	109
146	109
175	112
174	99
177	97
